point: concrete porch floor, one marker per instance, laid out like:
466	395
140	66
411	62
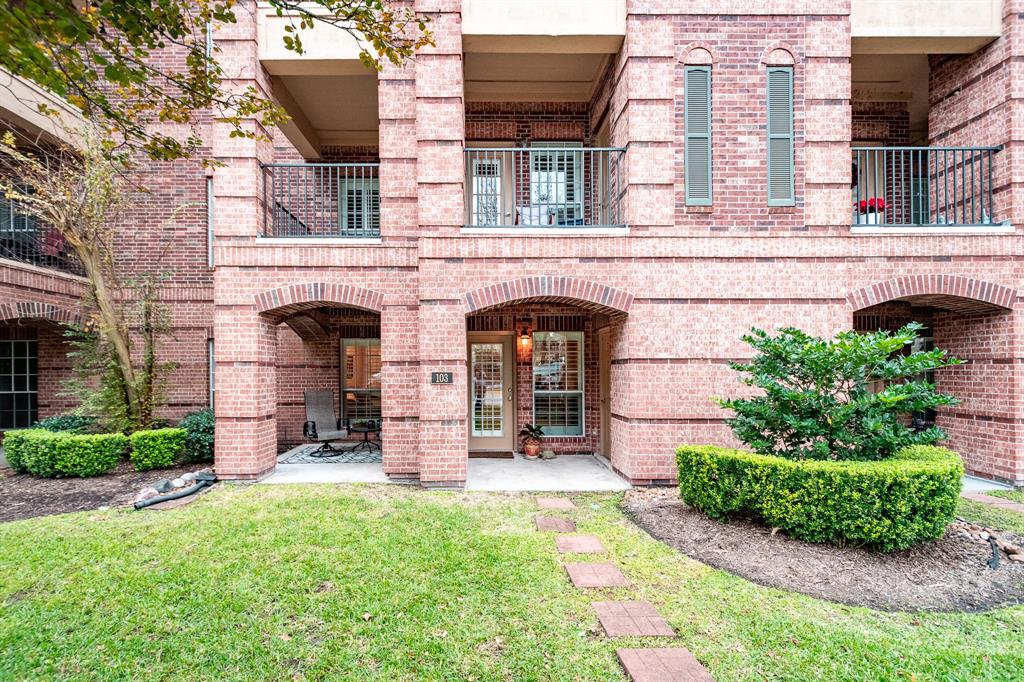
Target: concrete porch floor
566	473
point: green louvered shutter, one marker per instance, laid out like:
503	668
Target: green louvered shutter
780	136
697	116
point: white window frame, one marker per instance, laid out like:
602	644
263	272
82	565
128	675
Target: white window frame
581	391
560	202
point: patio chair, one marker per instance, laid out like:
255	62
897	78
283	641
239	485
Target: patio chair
322	425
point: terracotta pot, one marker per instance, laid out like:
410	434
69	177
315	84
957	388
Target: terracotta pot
531	448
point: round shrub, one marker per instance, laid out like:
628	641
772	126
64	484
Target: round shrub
198	436
57	453
885	505
156	449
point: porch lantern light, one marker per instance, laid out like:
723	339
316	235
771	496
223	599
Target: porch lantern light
525	340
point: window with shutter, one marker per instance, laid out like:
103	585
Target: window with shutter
697	119
360	207
780	136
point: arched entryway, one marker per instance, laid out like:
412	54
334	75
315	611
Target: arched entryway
315	336
974	320
34	361
539	351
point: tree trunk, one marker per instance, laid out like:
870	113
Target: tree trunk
112	327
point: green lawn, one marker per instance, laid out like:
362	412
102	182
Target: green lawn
392	583
1014	495
990	516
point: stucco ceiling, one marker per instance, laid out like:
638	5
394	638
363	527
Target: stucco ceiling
341	109
516	77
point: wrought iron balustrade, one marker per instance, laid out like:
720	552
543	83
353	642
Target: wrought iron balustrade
923	186
544	186
321	200
26	239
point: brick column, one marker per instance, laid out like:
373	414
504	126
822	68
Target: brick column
643	122
827	121
440	126
396	105
245	343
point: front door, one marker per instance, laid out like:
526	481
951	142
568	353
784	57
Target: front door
492	403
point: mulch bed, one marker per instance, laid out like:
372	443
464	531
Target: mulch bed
949	574
25	496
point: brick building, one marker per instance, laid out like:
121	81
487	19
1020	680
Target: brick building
568	212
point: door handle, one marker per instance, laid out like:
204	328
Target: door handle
510	395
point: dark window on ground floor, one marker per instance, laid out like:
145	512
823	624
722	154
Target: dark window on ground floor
19	360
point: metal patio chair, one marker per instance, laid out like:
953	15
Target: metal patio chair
322	424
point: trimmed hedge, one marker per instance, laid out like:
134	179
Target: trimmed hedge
157	449
58	453
885	505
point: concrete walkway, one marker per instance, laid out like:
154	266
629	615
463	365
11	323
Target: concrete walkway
327	473
973	484
576	473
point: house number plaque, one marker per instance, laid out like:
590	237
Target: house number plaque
441	377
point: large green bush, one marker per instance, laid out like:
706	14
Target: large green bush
198	436
850	397
50	453
885	505
72	423
157	449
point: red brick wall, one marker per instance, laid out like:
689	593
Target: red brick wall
884	123
525	122
696	279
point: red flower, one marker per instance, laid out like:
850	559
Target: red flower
872	205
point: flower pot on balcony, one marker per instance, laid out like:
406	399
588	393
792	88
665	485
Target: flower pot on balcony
867	219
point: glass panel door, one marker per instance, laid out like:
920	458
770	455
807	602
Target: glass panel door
488	390
491	393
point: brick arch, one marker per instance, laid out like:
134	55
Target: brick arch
551	289
952	292
35	310
294	298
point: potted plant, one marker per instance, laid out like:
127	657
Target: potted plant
532	436
869	210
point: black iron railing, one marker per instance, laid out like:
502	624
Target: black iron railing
923	186
543	186
321	200
26	239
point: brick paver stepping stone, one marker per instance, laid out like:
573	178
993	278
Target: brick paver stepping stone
631	619
554	523
663	665
596	575
555	503
579	544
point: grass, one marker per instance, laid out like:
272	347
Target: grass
991	517
1013	495
390	583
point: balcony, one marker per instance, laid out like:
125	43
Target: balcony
321	200
908	187
25	239
543	187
